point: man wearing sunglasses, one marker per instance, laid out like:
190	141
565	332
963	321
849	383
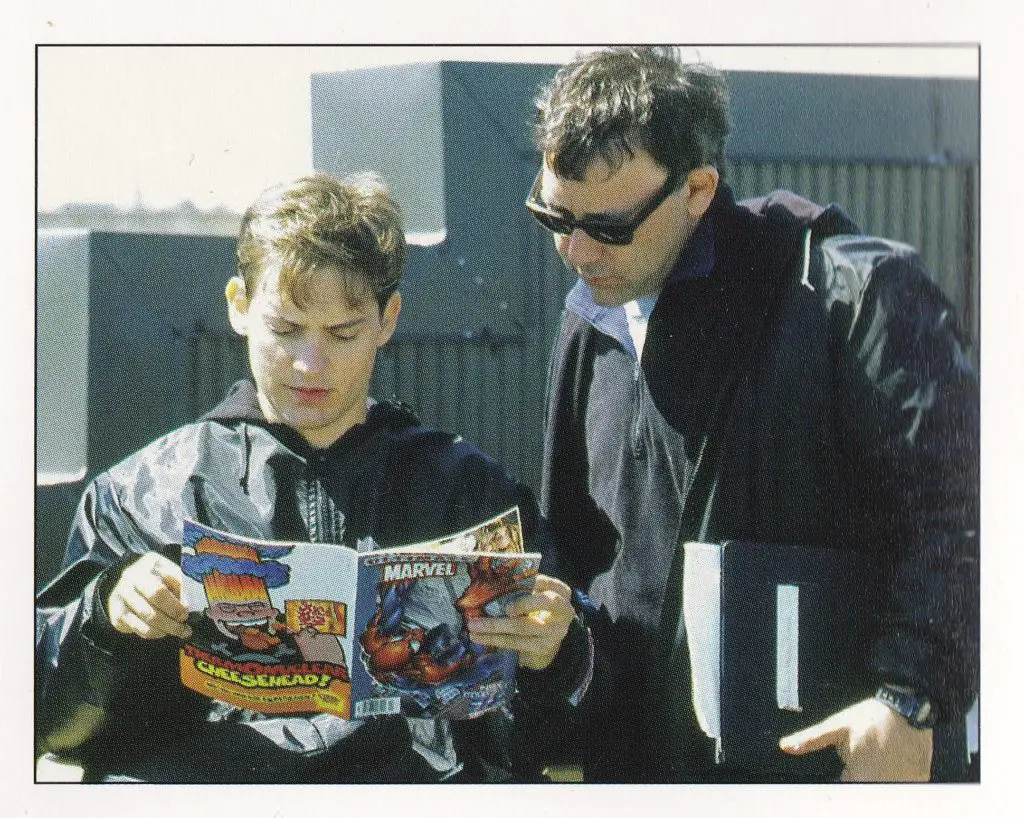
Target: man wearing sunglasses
712	382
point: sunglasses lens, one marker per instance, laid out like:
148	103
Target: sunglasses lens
606	234
610	235
552	222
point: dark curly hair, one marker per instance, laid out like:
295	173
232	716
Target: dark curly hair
613	102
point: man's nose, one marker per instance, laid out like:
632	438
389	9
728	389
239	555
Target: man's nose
578	249
311	357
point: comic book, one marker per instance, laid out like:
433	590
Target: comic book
283	627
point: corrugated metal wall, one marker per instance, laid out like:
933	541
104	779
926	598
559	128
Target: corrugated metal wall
470	386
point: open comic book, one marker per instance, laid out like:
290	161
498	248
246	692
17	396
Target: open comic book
281	627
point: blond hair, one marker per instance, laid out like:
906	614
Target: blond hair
351	227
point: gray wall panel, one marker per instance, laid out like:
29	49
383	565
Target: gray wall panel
821	117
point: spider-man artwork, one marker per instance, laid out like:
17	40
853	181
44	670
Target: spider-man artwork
412	650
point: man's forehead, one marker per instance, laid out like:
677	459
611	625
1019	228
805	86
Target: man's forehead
323	291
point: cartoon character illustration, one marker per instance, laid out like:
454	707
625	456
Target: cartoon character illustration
403	653
493	585
240	621
500	536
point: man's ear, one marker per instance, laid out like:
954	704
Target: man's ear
238	305
389	318
701	183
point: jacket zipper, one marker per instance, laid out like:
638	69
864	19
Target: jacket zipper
313	520
324	521
636	424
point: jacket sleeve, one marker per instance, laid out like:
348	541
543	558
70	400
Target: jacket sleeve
911	420
77	667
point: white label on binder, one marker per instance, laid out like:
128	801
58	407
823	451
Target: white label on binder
702	610
787	647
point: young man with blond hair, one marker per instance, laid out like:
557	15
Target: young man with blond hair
300	453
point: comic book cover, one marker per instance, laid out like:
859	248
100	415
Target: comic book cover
416	657
310	627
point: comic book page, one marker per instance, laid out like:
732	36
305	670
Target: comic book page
501	533
272	623
279	627
416	657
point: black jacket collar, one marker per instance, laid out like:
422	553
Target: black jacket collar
241	404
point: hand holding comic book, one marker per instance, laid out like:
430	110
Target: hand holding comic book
145	600
534	624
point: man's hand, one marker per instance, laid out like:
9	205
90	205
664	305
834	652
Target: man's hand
535	626
874	742
145	599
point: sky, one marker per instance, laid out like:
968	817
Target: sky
215	125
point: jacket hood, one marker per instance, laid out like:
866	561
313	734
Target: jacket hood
784	217
241	403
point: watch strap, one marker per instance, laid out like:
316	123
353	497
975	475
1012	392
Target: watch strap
916	709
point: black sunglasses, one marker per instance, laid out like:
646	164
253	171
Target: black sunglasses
599	228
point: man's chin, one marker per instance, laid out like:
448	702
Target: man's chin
306	420
604	292
607	298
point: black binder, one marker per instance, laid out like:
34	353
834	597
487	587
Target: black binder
777	636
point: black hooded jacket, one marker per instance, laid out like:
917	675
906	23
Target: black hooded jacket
846	415
388	478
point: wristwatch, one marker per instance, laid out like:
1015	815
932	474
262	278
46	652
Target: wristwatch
916	709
